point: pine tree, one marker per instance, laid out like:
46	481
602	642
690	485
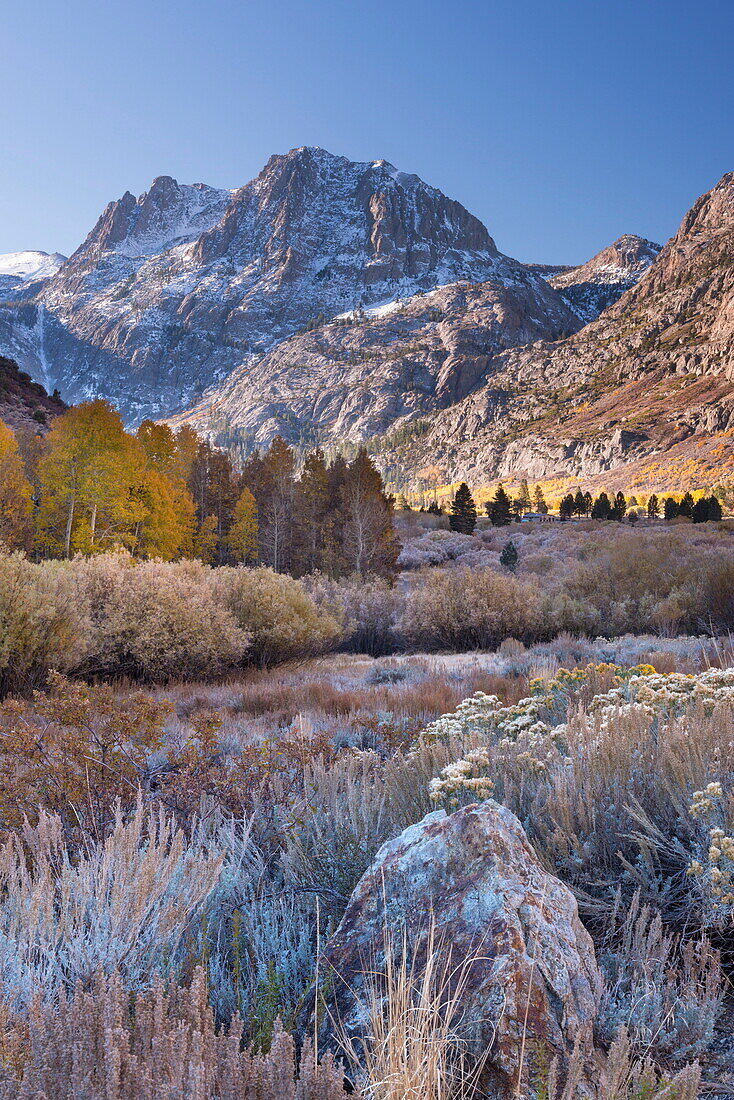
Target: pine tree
685	508
602	508
619	507
499	509
653	507
539	501
463	516
715	509
435	509
566	507
524	502
579	504
671	508
509	556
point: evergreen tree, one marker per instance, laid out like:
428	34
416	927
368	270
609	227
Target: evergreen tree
619	507
524	502
509	556
499	509
670	508
463	516
579	504
588	501
435	509
653	507
715	509
566	507
685	508
602	508
539	501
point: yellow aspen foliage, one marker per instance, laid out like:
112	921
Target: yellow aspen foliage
243	533
16	500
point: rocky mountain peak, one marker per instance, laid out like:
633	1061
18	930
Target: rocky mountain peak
601	281
175	288
167	214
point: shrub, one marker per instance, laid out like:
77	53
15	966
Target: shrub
368	611
123	905
161	1043
157	621
280	618
43	623
471	609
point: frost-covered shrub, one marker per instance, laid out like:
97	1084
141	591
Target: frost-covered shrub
157	620
368	611
122	905
667	992
43	623
436	548
470	609
276	612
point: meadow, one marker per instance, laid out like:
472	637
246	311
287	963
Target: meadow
200	764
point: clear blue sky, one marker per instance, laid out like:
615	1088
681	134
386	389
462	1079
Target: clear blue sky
560	123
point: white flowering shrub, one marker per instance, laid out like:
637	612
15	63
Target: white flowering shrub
714	870
534	730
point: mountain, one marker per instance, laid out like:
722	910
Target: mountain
175	289
24	403
358	375
643	396
597	284
20	268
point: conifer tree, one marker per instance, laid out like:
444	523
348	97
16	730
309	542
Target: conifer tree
463	515
566	507
524	502
653	506
670	508
685	508
509	556
499	509
539	501
619	507
602	508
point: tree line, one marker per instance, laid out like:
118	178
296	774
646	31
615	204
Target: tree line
88	486
503	509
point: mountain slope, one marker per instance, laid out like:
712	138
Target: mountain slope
646	390
597	284
24	403
363	373
173	290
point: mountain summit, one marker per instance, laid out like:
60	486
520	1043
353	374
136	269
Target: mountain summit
174	289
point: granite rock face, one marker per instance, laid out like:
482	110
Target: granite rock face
173	290
511	930
594	286
657	366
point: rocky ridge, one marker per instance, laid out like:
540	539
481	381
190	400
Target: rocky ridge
174	289
644	392
594	286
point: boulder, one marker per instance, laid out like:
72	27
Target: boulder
469	886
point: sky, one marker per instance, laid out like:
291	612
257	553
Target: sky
560	124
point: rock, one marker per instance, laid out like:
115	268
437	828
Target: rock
530	963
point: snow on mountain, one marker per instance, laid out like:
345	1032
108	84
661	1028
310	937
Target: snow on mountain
602	280
174	290
26	267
